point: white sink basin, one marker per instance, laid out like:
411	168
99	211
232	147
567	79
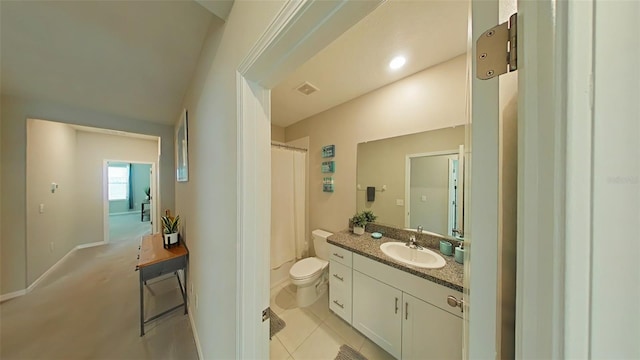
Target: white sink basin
422	258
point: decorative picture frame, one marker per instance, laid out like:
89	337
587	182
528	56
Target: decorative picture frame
328	166
328	151
182	148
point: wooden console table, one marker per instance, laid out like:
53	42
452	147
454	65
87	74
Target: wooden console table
153	261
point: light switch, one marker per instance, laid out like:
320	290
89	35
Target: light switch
400	202
423	197
41	209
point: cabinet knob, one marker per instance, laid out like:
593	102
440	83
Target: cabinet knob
453	302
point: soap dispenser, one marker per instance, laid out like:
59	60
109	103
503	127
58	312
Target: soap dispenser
459	255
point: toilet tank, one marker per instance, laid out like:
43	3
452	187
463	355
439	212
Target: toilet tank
320	243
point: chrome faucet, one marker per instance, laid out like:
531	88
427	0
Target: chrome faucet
412	242
419	229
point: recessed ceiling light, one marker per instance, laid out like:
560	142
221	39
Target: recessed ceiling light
397	62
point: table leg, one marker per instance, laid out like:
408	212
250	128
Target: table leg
141	304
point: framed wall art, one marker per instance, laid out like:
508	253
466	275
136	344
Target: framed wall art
182	148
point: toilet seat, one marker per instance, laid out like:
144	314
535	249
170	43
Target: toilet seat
307	268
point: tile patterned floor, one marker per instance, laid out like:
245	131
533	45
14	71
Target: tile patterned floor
314	332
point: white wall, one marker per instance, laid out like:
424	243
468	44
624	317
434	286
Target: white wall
13	117
277	133
92	150
207	202
51	150
431	99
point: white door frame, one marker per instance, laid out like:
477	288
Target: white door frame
304	27
105	194
299	31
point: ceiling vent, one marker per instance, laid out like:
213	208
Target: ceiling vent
306	88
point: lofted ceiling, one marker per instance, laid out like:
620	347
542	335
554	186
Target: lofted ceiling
129	58
426	32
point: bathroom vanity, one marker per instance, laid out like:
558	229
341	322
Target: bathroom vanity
401	308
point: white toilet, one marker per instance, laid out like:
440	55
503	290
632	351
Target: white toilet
310	275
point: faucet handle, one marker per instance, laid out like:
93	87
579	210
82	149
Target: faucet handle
412	242
419	229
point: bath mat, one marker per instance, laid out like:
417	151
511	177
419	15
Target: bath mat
347	353
276	325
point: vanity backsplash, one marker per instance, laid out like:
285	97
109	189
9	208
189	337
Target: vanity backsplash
424	239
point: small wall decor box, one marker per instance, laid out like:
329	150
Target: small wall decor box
328	151
327	184
328	166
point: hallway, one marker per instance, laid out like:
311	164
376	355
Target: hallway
88	308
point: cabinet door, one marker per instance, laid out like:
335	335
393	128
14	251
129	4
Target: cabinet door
429	332
377	312
340	290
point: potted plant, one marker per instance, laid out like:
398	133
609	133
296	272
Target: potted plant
170	226
360	220
369	216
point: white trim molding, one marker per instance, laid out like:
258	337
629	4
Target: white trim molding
299	31
579	181
194	330
11	295
33	285
89	245
541	250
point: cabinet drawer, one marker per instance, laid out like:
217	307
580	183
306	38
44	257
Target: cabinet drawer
339	275
340	302
340	290
340	255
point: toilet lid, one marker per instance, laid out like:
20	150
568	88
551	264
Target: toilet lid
307	267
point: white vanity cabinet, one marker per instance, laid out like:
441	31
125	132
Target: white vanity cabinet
340	282
377	312
406	315
429	332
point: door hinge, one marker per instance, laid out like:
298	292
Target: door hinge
266	314
497	50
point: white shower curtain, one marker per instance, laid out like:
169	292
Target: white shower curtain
288	233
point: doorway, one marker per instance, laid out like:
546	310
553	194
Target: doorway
432	183
256	96
129	200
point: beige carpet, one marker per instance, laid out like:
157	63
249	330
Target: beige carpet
88	308
124	227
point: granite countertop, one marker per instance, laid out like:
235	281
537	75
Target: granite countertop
451	275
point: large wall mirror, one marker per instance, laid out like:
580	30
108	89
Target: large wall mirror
417	180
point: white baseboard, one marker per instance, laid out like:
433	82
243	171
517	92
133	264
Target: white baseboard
195	334
50	270
18	293
84	246
11	295
125	213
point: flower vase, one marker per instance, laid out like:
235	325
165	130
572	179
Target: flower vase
358	230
